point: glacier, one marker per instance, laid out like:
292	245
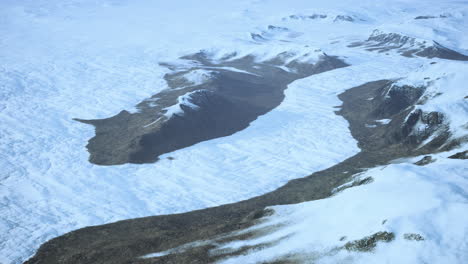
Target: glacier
89	59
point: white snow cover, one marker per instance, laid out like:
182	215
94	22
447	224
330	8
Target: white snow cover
64	59
383	121
182	100
198	76
431	201
229	69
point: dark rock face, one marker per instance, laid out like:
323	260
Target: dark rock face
460	155
343	18
337	18
275	28
432	17
360	182
224	104
306	17
408	46
424	17
424	161
257	37
420	126
274	33
385	100
439	51
370	242
397	98
413	237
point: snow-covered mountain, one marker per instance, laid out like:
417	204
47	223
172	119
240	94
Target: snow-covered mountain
129	70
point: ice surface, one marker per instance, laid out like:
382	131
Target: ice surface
90	59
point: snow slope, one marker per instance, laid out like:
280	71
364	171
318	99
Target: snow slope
405	199
90	59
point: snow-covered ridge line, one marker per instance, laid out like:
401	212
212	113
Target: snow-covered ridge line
183	100
329	16
416	213
382	41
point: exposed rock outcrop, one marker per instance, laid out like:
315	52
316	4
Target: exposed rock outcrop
370	242
460	155
424	161
407	46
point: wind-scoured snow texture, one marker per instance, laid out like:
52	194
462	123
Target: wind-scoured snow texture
423	209
89	59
